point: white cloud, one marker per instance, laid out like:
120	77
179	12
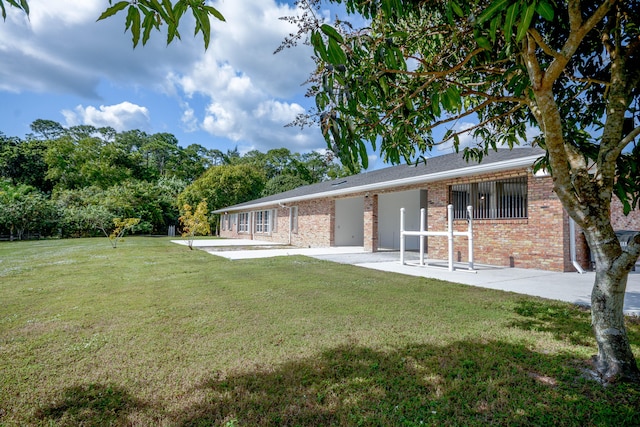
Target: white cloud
237	90
121	117
246	84
62	49
188	119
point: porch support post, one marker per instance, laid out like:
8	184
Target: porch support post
371	222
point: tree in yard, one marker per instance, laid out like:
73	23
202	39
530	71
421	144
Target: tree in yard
224	185
24	209
571	69
281	183
120	227
195	223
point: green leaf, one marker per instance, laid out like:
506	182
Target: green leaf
384	86
113	10
510	20
523	27
331	32
318	45
493	27
545	10
435	104
489	12
157	7
363	154
178	10
202	24
452	100
335	53
457	9
213	11
483	42
168	8
133	23
147	24
25	6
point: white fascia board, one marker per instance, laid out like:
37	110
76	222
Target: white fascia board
422	179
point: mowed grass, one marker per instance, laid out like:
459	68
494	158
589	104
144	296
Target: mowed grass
152	333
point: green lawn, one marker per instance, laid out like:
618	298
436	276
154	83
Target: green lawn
152	333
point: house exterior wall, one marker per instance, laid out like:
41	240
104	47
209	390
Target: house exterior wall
541	240
315	221
537	241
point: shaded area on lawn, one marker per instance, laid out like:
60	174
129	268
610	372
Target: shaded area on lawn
566	322
570	323
91	405
470	383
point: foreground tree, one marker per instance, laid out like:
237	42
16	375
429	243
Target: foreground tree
569	68
195	223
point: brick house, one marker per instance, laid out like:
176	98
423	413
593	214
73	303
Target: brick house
518	220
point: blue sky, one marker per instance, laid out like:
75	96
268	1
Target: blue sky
62	65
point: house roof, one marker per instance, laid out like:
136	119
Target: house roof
435	169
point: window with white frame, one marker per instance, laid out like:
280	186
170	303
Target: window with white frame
224	222
501	199
262	222
243	222
229	222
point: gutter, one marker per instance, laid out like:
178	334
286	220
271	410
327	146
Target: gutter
439	176
572	246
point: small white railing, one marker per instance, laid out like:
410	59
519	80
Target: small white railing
450	233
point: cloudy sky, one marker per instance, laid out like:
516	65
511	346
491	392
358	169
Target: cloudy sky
62	65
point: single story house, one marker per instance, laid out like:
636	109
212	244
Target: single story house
518	220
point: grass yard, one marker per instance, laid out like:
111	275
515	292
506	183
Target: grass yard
152	333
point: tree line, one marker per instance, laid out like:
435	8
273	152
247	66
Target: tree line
74	181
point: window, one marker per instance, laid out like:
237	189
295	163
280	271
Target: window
229	222
224	222
262	222
502	199
243	222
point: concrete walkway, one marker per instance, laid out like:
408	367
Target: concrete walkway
570	287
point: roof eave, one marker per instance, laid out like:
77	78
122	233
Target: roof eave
438	176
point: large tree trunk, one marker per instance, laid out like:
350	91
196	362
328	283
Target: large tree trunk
614	361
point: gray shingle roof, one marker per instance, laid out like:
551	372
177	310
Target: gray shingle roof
448	164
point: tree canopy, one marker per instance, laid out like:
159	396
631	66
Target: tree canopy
73	181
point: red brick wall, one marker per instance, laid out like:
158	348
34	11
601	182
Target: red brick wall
622	222
371	222
315	225
535	242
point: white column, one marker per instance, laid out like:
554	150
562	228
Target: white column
402	236
470	236
423	213
450	235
